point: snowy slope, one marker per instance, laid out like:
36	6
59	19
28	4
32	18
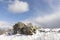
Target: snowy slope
19	37
37	36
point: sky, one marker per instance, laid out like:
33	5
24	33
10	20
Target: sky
45	13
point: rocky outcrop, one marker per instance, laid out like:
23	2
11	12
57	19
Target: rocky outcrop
18	26
23	29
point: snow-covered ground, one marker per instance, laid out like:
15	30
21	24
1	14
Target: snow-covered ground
37	36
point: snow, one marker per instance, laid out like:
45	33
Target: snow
19	37
37	36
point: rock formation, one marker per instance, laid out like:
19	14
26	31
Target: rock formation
23	29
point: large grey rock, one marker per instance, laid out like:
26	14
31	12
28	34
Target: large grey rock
23	29
18	26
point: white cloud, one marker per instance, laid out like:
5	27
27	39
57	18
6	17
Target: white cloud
18	6
5	25
48	18
45	19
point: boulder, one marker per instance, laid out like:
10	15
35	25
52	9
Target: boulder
21	28
18	26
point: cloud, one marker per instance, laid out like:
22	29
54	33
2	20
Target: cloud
50	21
48	18
52	16
5	25
18	6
